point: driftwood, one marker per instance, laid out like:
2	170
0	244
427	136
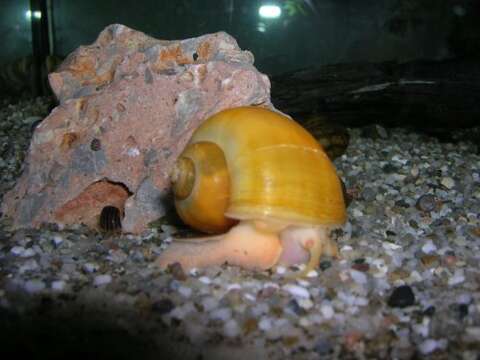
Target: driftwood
427	95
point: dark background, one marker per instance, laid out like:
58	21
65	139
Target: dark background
309	32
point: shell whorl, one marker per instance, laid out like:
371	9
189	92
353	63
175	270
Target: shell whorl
201	185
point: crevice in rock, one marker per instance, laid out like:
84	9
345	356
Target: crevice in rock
101	205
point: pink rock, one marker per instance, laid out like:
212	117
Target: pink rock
128	106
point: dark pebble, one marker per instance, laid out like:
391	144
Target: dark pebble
374	131
363	267
297	309
462	310
324	265
426	202
163	306
323	347
369	194
389	169
430	311
177	271
401	297
402	203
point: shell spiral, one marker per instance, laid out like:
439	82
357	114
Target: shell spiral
251	163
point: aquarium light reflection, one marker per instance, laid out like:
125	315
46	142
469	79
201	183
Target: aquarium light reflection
270	11
36	14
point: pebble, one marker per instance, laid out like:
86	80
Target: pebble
231	328
185	291
163	306
430	345
448	182
323	347
429	247
58	285
457	278
426	203
296	290
34	286
17	250
222	314
90	267
204	280
57	240
100	280
358	277
401	297
327	311
265	324
209	303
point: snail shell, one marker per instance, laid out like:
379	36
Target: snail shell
260	168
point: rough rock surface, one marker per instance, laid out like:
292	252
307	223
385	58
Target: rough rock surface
128	105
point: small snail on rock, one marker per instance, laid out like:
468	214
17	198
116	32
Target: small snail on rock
265	183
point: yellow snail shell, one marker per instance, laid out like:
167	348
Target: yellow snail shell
262	169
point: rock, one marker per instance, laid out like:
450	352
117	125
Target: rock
128	106
401	297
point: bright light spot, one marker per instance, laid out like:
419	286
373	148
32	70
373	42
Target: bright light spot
36	14
269	11
261	27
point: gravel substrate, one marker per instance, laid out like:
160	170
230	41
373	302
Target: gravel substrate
407	286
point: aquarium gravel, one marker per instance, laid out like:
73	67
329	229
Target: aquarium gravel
407	284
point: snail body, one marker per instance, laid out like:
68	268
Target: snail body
262	180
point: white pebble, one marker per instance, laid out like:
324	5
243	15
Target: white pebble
281	270
297	291
357	213
327	311
58	285
209	303
90	267
346	248
312	274
457	278
271	284
265	324
358	276
473	332
304	322
234	286
249	297
379	265
34	286
17	250
448	182
430	345
57	240
102	280
181	311
185	291
205	280
28	265
306	304
429	247
27	253
231	328
222	314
